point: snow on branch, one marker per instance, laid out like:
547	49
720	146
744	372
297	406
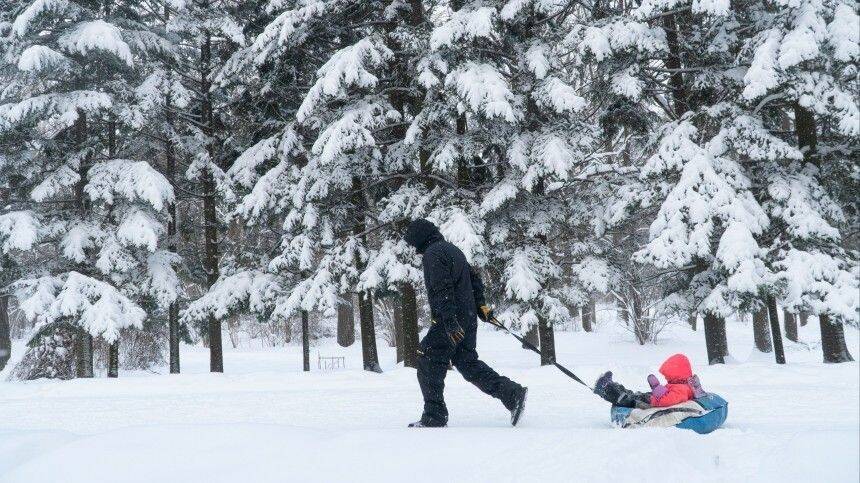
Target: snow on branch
61	108
22	23
252	290
484	90
96	35
133	180
97	307
349	67
465	25
19	230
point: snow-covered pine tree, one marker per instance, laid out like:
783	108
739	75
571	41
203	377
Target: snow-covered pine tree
677	58
161	103
802	77
209	32
99	218
338	152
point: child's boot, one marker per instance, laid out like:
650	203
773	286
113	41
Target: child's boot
696	385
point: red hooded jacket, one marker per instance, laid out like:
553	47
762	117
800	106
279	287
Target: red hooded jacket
677	371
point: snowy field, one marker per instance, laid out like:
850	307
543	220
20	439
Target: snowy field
264	420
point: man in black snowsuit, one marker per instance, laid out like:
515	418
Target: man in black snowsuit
456	297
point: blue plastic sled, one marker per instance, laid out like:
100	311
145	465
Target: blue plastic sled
717	407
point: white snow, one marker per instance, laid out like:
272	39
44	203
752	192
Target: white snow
265	421
96	35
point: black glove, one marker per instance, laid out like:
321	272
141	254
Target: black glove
485	313
455	332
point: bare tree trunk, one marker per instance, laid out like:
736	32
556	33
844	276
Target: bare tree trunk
776	334
345	322
761	331
113	359
173	309
715	338
398	327
804	318
288	331
531	336
588	315
5	336
833	341
368	333
84	359
84	365
210	215
673	62
790	323
547	342
410	325
306	343
692	319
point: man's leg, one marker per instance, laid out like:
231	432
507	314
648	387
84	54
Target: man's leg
480	374
433	357
615	393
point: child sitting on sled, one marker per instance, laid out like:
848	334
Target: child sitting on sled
681	386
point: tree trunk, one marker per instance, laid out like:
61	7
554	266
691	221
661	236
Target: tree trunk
547	342
588	315
306	343
410	325
692	319
804	318
715	338
368	333
210	215
832	333
5	336
776	335
531	336
398	327
345	322
673	62
172	242
113	359
288	332
761	331
790	323
84	360
833	341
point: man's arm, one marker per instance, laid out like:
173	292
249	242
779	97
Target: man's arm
484	311
440	292
477	288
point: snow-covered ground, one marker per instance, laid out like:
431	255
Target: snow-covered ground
264	420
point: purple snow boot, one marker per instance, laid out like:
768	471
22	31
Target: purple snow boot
696	385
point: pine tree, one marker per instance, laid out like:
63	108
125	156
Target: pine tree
98	217
802	62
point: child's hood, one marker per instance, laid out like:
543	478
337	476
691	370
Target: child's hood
677	369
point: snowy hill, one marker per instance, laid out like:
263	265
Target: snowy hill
264	420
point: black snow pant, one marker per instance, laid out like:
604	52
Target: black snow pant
619	395
435	353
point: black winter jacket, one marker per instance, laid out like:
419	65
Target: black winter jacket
454	289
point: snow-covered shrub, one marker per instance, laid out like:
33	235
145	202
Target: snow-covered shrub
50	354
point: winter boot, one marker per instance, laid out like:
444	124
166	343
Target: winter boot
697	387
427	422
519	406
602	384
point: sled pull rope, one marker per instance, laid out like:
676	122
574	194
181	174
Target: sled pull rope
494	321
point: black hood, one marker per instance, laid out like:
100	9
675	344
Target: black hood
421	233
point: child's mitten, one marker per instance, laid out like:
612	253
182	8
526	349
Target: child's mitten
657	390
